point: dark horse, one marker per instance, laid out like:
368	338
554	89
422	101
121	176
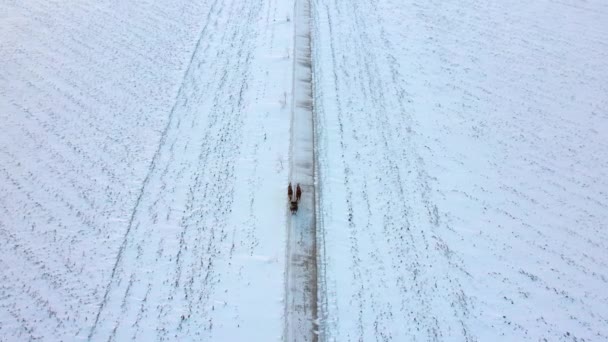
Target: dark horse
293	203
298	192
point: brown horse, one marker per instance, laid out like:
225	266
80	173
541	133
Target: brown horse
298	192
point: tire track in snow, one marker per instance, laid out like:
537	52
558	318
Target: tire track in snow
301	269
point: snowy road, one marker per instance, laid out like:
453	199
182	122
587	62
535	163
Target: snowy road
301	260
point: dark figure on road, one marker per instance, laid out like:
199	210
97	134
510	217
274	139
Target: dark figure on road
298	192
289	191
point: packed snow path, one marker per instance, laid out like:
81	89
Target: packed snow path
301	260
463	165
143	158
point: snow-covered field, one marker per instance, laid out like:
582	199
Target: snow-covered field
143	156
463	163
461	170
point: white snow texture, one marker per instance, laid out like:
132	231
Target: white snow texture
460	159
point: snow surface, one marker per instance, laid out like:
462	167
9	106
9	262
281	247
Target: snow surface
143	158
460	174
301	266
463	167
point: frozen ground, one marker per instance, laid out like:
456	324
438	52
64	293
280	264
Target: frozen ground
463	168
461	171
143	157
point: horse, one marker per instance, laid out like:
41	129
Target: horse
298	192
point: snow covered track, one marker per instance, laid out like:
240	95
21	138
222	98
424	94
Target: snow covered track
301	264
